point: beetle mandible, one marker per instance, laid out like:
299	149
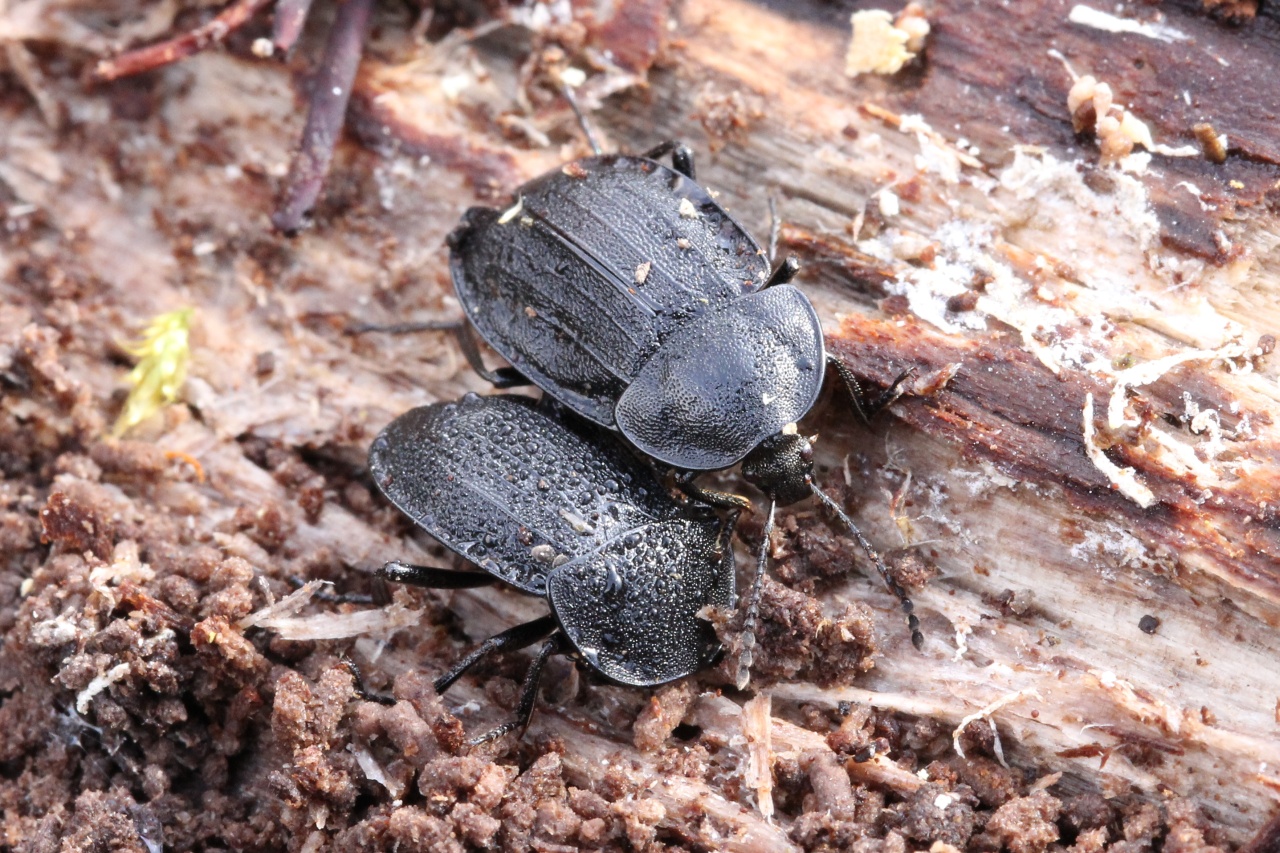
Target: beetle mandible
558	507
621	287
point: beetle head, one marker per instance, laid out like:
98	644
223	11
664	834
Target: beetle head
781	467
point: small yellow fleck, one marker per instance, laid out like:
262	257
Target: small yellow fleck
1237	185
161	370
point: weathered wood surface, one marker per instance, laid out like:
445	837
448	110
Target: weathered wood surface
1045	569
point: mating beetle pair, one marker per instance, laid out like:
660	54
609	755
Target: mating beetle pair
621	288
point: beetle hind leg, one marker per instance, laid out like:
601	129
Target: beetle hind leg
528	693
430	577
502	377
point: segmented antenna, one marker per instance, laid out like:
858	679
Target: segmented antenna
913	622
748	635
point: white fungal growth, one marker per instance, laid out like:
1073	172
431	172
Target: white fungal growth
102	682
985	714
1125	479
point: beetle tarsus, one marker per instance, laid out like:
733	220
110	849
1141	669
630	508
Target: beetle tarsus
908	607
430	577
749	619
866	411
711	497
511	639
358	684
323	594
528	693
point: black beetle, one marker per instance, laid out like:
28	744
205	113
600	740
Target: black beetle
557	507
623	289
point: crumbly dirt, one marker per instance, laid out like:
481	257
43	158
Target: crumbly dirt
138	714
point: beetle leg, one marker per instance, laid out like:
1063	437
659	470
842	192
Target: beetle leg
503	377
403	328
681	156
913	621
784	272
748	635
867	411
724	500
433	578
331	597
358	684
509	640
682	161
582	119
528	694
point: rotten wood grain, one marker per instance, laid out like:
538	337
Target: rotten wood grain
1046	570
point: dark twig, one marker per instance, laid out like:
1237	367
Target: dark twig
287	26
189	43
329	96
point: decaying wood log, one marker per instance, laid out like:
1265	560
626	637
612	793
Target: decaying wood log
1091	461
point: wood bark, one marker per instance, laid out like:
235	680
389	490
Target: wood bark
949	220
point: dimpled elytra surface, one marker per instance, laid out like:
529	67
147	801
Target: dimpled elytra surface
511	488
580	280
631	608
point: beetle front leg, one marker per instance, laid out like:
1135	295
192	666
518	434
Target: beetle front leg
867	411
723	500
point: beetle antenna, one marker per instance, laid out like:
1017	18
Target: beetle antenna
582	120
913	621
753	607
774	229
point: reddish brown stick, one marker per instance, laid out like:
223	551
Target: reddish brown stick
328	108
180	47
290	16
